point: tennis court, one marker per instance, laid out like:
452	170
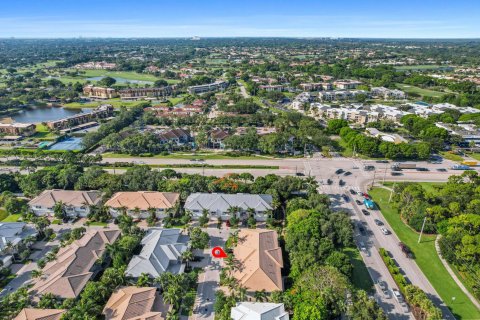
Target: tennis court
72	143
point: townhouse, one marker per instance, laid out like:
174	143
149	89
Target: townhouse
141	203
75	203
222	205
12	235
216	138
162	252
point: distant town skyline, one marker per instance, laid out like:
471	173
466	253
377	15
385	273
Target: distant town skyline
303	18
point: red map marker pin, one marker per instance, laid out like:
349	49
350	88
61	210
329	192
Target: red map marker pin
218	252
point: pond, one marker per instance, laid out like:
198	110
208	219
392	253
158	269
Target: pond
121	80
43	114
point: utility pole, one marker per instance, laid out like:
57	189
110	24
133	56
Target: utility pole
373	181
385	173
421	232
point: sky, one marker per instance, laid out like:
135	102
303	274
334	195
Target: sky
246	18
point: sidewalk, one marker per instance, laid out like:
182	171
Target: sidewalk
454	276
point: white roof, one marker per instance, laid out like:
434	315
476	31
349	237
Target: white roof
222	201
258	311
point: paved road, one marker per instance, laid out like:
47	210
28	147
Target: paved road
360	180
209	280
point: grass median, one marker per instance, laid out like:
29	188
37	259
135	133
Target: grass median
427	259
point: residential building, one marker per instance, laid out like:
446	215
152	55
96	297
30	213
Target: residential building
17	129
143	93
346	84
176	137
162	252
76	203
260	260
102	112
75	264
387	94
135	303
138	204
99	92
12	234
216	138
312	86
215	86
259	311
176	112
219	205
273	87
468	131
40	314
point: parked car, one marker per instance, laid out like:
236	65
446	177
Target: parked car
341	182
384	287
362	246
345	197
365	212
339	171
347	173
362	230
396	173
385	231
329	181
299	174
353	191
406	250
378	222
358	202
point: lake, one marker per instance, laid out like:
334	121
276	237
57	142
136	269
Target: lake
121	80
43	114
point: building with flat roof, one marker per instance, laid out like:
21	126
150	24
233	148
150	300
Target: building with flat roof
143	93
17	129
259	311
99	92
215	86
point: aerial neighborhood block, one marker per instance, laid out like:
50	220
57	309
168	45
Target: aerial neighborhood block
162	252
139	204
76	203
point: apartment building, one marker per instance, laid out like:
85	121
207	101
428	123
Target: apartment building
346	84
17	129
340	95
144	93
102	112
215	86
387	94
99	92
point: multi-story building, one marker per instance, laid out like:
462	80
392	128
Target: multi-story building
215	86
221	205
17	129
76	203
101	65
216	138
346	84
103	111
387	94
99	92
273	87
140	204
259	311
143	93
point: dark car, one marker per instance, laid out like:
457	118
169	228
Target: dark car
365	195
358	202
347	173
361	229
365	212
353	191
378	222
341	182
381	161
396	173
339	171
422	169
300	174
329	181
442	169
345	197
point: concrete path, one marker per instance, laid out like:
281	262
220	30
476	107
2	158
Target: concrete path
454	276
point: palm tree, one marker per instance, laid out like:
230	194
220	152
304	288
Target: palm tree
187	256
37	273
260	296
242	293
172	315
143	280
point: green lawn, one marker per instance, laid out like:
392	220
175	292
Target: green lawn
117	103
96	223
360	277
420	67
420	91
12	218
428	186
427	259
3	214
451	156
475	156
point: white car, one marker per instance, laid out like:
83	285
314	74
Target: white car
398	296
385	231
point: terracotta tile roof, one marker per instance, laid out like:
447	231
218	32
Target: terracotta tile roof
40	314
68	274
218	134
48	198
143	200
133	303
261	260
